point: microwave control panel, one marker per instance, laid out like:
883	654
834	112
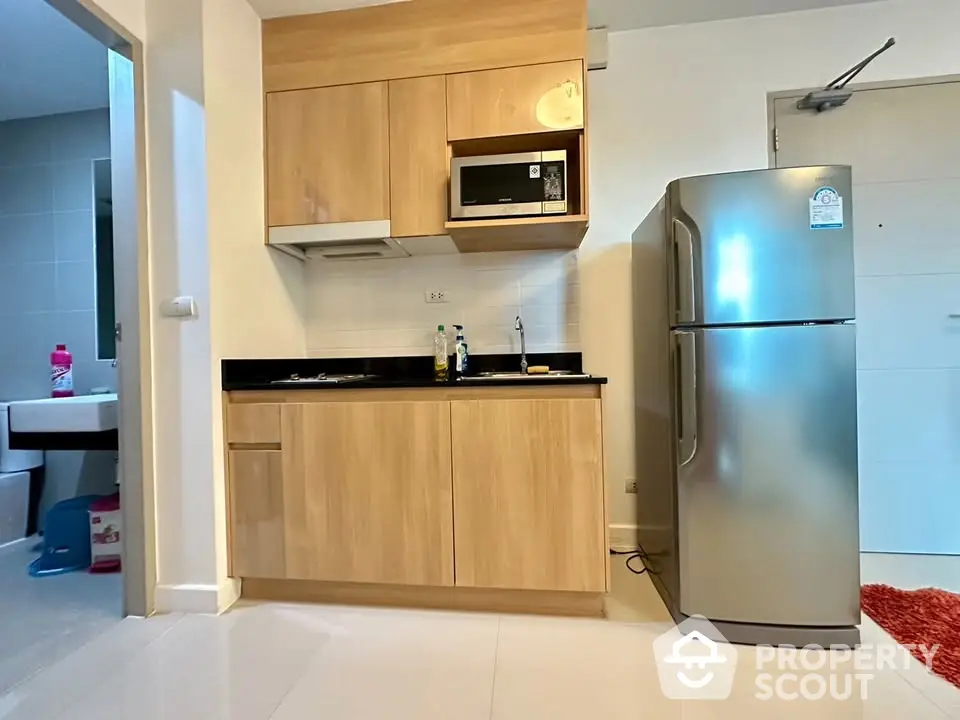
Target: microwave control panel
552	175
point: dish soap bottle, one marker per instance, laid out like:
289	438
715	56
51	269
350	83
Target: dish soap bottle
441	363
460	354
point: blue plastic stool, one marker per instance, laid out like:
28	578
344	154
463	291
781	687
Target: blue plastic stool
66	538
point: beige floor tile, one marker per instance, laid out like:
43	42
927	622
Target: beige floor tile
561	668
52	692
403	665
235	667
795	686
943	694
299	661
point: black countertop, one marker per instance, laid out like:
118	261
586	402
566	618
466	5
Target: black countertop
392	372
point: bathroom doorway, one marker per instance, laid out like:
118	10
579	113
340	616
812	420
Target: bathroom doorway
73	272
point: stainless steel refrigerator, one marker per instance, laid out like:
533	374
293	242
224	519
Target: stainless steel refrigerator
746	400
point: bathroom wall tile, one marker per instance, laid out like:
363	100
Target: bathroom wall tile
74	236
46	262
81	135
75	286
77	330
28	288
26	238
26	142
72	185
95	374
24	355
25	189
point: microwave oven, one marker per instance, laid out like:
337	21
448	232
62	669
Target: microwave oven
490	186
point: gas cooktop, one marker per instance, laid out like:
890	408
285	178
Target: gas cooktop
322	378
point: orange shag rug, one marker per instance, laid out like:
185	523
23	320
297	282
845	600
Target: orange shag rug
919	617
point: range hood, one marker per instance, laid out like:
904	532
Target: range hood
367	240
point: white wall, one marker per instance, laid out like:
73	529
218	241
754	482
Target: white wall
675	101
180	264
131	14
689	100
377	307
257	294
205	227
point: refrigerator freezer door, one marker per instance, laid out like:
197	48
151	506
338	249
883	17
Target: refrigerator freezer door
767	505
744	251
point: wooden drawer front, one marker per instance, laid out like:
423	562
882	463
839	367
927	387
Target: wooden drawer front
253	424
513	101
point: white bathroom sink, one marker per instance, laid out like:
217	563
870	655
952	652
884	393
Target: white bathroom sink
83	413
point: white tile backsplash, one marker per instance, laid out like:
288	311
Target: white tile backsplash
379	307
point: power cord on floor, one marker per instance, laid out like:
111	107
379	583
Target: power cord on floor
632	555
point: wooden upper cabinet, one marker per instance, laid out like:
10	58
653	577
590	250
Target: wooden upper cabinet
516	100
418	156
367	492
328	155
528	494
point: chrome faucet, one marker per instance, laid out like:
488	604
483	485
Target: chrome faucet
523	345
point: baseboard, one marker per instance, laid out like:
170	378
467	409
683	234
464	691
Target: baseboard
624	537
197	598
540	602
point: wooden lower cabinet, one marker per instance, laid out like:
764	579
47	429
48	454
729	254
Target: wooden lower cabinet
256	514
528	494
366	492
470	495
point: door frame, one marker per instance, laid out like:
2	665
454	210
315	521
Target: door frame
798	93
134	369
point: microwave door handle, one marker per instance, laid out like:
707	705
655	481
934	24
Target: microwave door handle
686	377
685	269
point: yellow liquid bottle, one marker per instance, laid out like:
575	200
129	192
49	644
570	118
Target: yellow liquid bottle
441	360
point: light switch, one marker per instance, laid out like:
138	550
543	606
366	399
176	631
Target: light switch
183	306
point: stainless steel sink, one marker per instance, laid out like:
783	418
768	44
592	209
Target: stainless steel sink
552	375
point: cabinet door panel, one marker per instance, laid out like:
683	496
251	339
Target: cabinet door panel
418	156
327	155
513	101
528	494
367	492
256	514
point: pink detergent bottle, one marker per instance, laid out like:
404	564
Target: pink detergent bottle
61	372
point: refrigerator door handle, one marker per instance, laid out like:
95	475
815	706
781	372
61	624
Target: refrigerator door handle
687	396
686	293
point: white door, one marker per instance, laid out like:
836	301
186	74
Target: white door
904	146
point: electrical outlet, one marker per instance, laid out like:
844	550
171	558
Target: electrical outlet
435	296
630	486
